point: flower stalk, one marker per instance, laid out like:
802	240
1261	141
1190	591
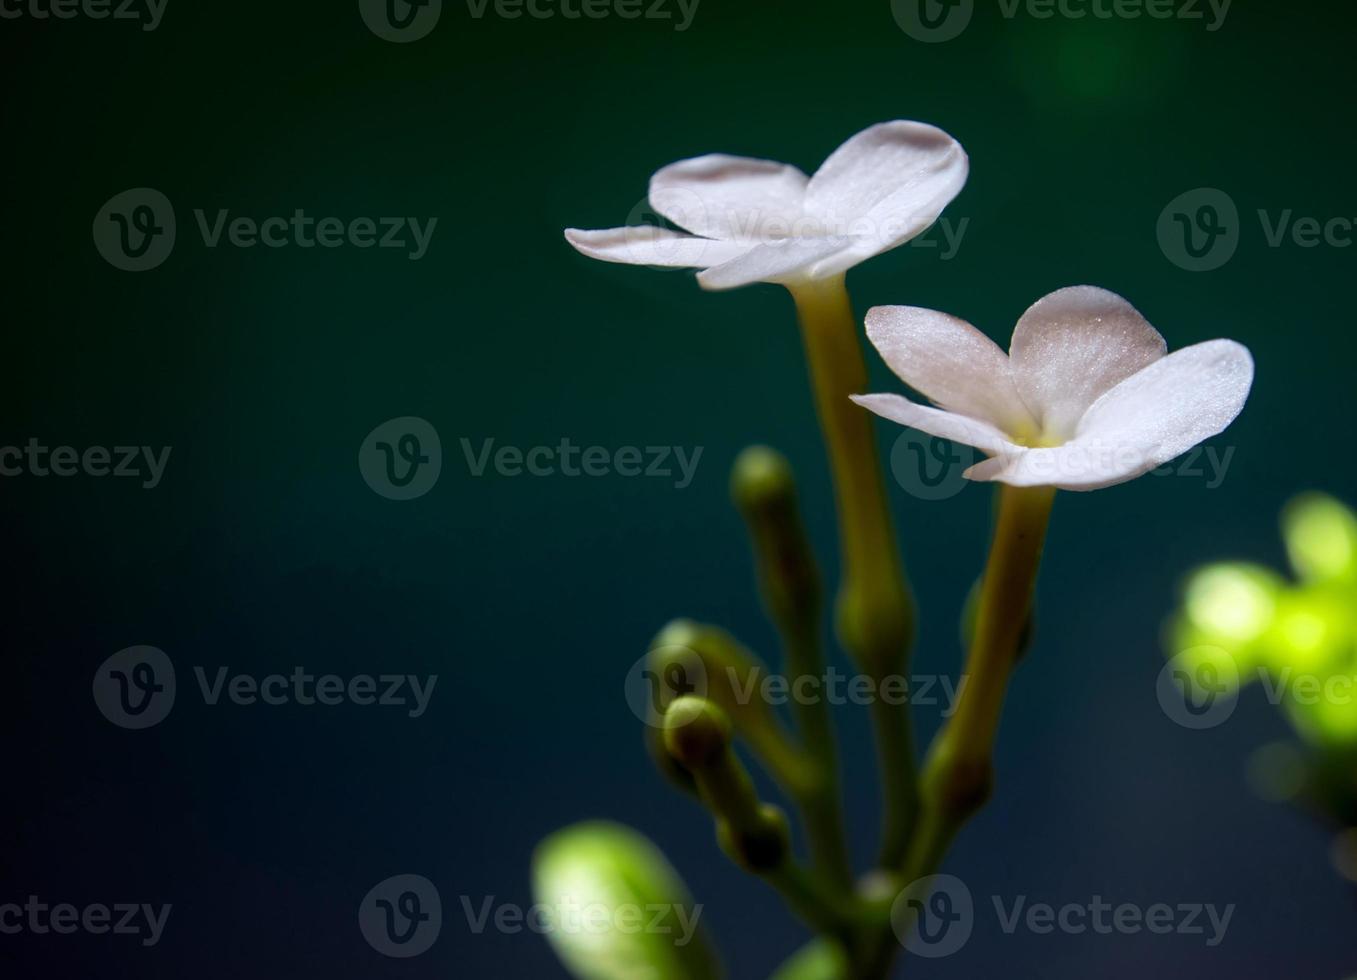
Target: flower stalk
765	493
959	773
753	834
874	611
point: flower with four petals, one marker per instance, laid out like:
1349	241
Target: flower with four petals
1086	397
759	221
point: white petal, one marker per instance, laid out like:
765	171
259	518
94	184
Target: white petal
1145	421
934	421
648	245
1074	345
735	198
950	362
884	186
1073	466
783	261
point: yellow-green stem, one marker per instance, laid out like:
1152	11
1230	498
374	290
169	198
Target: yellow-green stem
764	489
959	773
874	611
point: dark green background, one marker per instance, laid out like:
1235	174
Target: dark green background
530	598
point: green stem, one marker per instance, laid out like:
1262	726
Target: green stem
959	774
820	803
765	492
753	834
874	611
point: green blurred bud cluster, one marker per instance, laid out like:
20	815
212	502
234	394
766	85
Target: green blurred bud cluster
1298	635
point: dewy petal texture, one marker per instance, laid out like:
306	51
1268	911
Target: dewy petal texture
885	186
1147	420
950	362
1074	345
733	198
1175	403
647	245
880	189
1110	404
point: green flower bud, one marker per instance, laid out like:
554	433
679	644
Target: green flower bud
702	660
1232	602
1310	632
616	909
759	845
1228	610
696	732
1321	538
764	490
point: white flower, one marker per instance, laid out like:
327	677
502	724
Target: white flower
759	221
1085	398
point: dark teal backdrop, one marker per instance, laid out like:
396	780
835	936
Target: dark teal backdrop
263	549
